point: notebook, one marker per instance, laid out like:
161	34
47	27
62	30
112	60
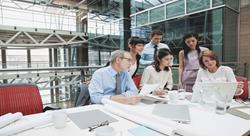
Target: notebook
90	118
143	131
242	111
178	113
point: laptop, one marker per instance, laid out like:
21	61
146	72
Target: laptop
210	92
178	113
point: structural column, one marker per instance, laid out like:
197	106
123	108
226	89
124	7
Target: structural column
28	58
126	23
4	62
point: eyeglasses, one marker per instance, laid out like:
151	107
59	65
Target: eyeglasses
105	123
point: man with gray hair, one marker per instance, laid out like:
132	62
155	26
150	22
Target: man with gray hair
113	81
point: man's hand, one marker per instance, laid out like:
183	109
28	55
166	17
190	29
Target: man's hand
132	100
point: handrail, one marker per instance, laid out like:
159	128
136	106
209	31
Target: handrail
50	68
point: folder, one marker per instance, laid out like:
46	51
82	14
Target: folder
90	118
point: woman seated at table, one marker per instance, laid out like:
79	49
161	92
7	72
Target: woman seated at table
159	72
212	71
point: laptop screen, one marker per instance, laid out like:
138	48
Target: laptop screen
210	92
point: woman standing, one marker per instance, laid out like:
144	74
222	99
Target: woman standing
189	61
136	46
159	72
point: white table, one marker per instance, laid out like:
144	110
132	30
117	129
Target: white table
73	130
204	122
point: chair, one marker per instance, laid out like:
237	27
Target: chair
244	95
82	96
137	80
24	98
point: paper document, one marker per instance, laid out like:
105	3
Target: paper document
148	88
245	110
173	112
242	111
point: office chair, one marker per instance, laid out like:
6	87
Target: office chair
23	98
137	80
244	95
82	97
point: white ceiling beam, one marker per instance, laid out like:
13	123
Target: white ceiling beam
72	39
27	34
13	37
46	39
60	38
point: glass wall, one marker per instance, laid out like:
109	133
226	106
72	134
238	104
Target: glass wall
208	18
98	56
196	5
157	14
230	40
217	2
215	23
105	29
142	19
217	30
175	9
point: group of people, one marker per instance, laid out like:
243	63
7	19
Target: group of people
196	64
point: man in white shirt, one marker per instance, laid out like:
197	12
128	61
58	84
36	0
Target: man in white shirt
150	49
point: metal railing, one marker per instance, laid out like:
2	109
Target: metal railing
56	84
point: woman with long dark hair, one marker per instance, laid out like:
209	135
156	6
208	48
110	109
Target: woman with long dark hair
159	72
136	46
189	61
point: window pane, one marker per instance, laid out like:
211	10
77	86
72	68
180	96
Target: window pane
157	14
217	2
16	58
196	5
216	33
230	35
175	9
142	19
39	58
133	21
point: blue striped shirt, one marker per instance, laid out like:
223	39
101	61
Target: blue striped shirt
103	84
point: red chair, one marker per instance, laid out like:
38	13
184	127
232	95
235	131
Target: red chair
244	95
137	80
23	98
